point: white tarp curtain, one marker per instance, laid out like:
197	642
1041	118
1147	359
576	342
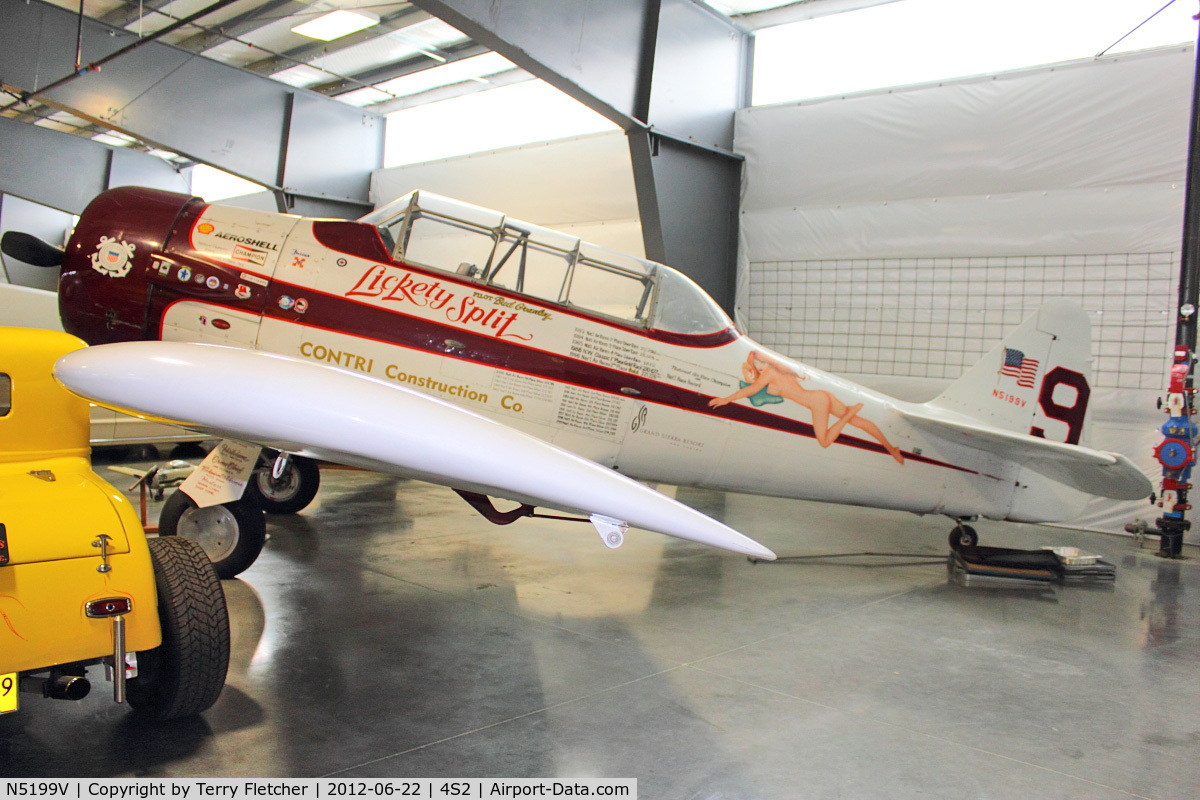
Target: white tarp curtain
582	186
1085	158
1114	121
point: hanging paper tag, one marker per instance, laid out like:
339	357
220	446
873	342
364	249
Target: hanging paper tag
221	477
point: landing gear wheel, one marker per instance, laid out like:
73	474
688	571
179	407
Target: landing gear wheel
963	536
294	490
185	674
231	534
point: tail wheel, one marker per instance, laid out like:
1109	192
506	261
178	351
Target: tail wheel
231	534
292	491
963	536
185	674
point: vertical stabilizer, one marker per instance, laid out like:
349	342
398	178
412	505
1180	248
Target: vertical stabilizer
1037	381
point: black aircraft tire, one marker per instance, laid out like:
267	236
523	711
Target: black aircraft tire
231	534
186	673
291	493
963	536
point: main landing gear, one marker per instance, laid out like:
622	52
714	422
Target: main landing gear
963	535
233	534
284	484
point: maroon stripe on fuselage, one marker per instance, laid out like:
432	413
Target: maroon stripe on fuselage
362	240
339	315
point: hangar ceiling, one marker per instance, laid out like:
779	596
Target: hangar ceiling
239	85
407	57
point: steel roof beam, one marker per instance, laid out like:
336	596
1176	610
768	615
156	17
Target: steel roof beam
294	142
671	73
64	171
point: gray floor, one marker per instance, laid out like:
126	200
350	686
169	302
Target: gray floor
388	631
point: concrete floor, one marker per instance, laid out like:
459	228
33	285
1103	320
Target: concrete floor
389	631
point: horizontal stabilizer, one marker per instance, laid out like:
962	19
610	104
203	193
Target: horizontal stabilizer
348	418
1092	471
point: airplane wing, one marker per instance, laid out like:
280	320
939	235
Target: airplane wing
349	418
1092	471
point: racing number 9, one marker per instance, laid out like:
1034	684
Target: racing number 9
6	686
1073	414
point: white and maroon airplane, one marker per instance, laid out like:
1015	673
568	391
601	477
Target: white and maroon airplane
428	307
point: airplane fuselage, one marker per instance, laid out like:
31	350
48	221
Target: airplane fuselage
654	404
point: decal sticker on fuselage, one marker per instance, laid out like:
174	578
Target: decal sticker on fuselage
113	257
767	380
241	238
253	255
385	286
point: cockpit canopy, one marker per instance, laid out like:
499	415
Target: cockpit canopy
426	229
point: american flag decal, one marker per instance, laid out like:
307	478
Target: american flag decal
1016	365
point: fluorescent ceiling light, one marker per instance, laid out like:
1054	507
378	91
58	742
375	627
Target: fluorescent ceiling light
165	155
114	138
336	24
363	97
301	75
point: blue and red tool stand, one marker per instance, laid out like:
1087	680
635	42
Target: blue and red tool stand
1177	455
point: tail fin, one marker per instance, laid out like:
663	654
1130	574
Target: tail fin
1037	381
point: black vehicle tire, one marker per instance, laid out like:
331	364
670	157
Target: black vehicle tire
292	492
231	534
963	536
186	673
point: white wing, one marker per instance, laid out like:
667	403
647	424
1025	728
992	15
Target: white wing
352	419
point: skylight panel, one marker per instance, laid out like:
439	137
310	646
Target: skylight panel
430	35
532	111
165	155
54	125
363	97
374	52
67	118
214	185
114	139
476	68
301	76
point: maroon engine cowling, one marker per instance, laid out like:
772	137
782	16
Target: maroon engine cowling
103	293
